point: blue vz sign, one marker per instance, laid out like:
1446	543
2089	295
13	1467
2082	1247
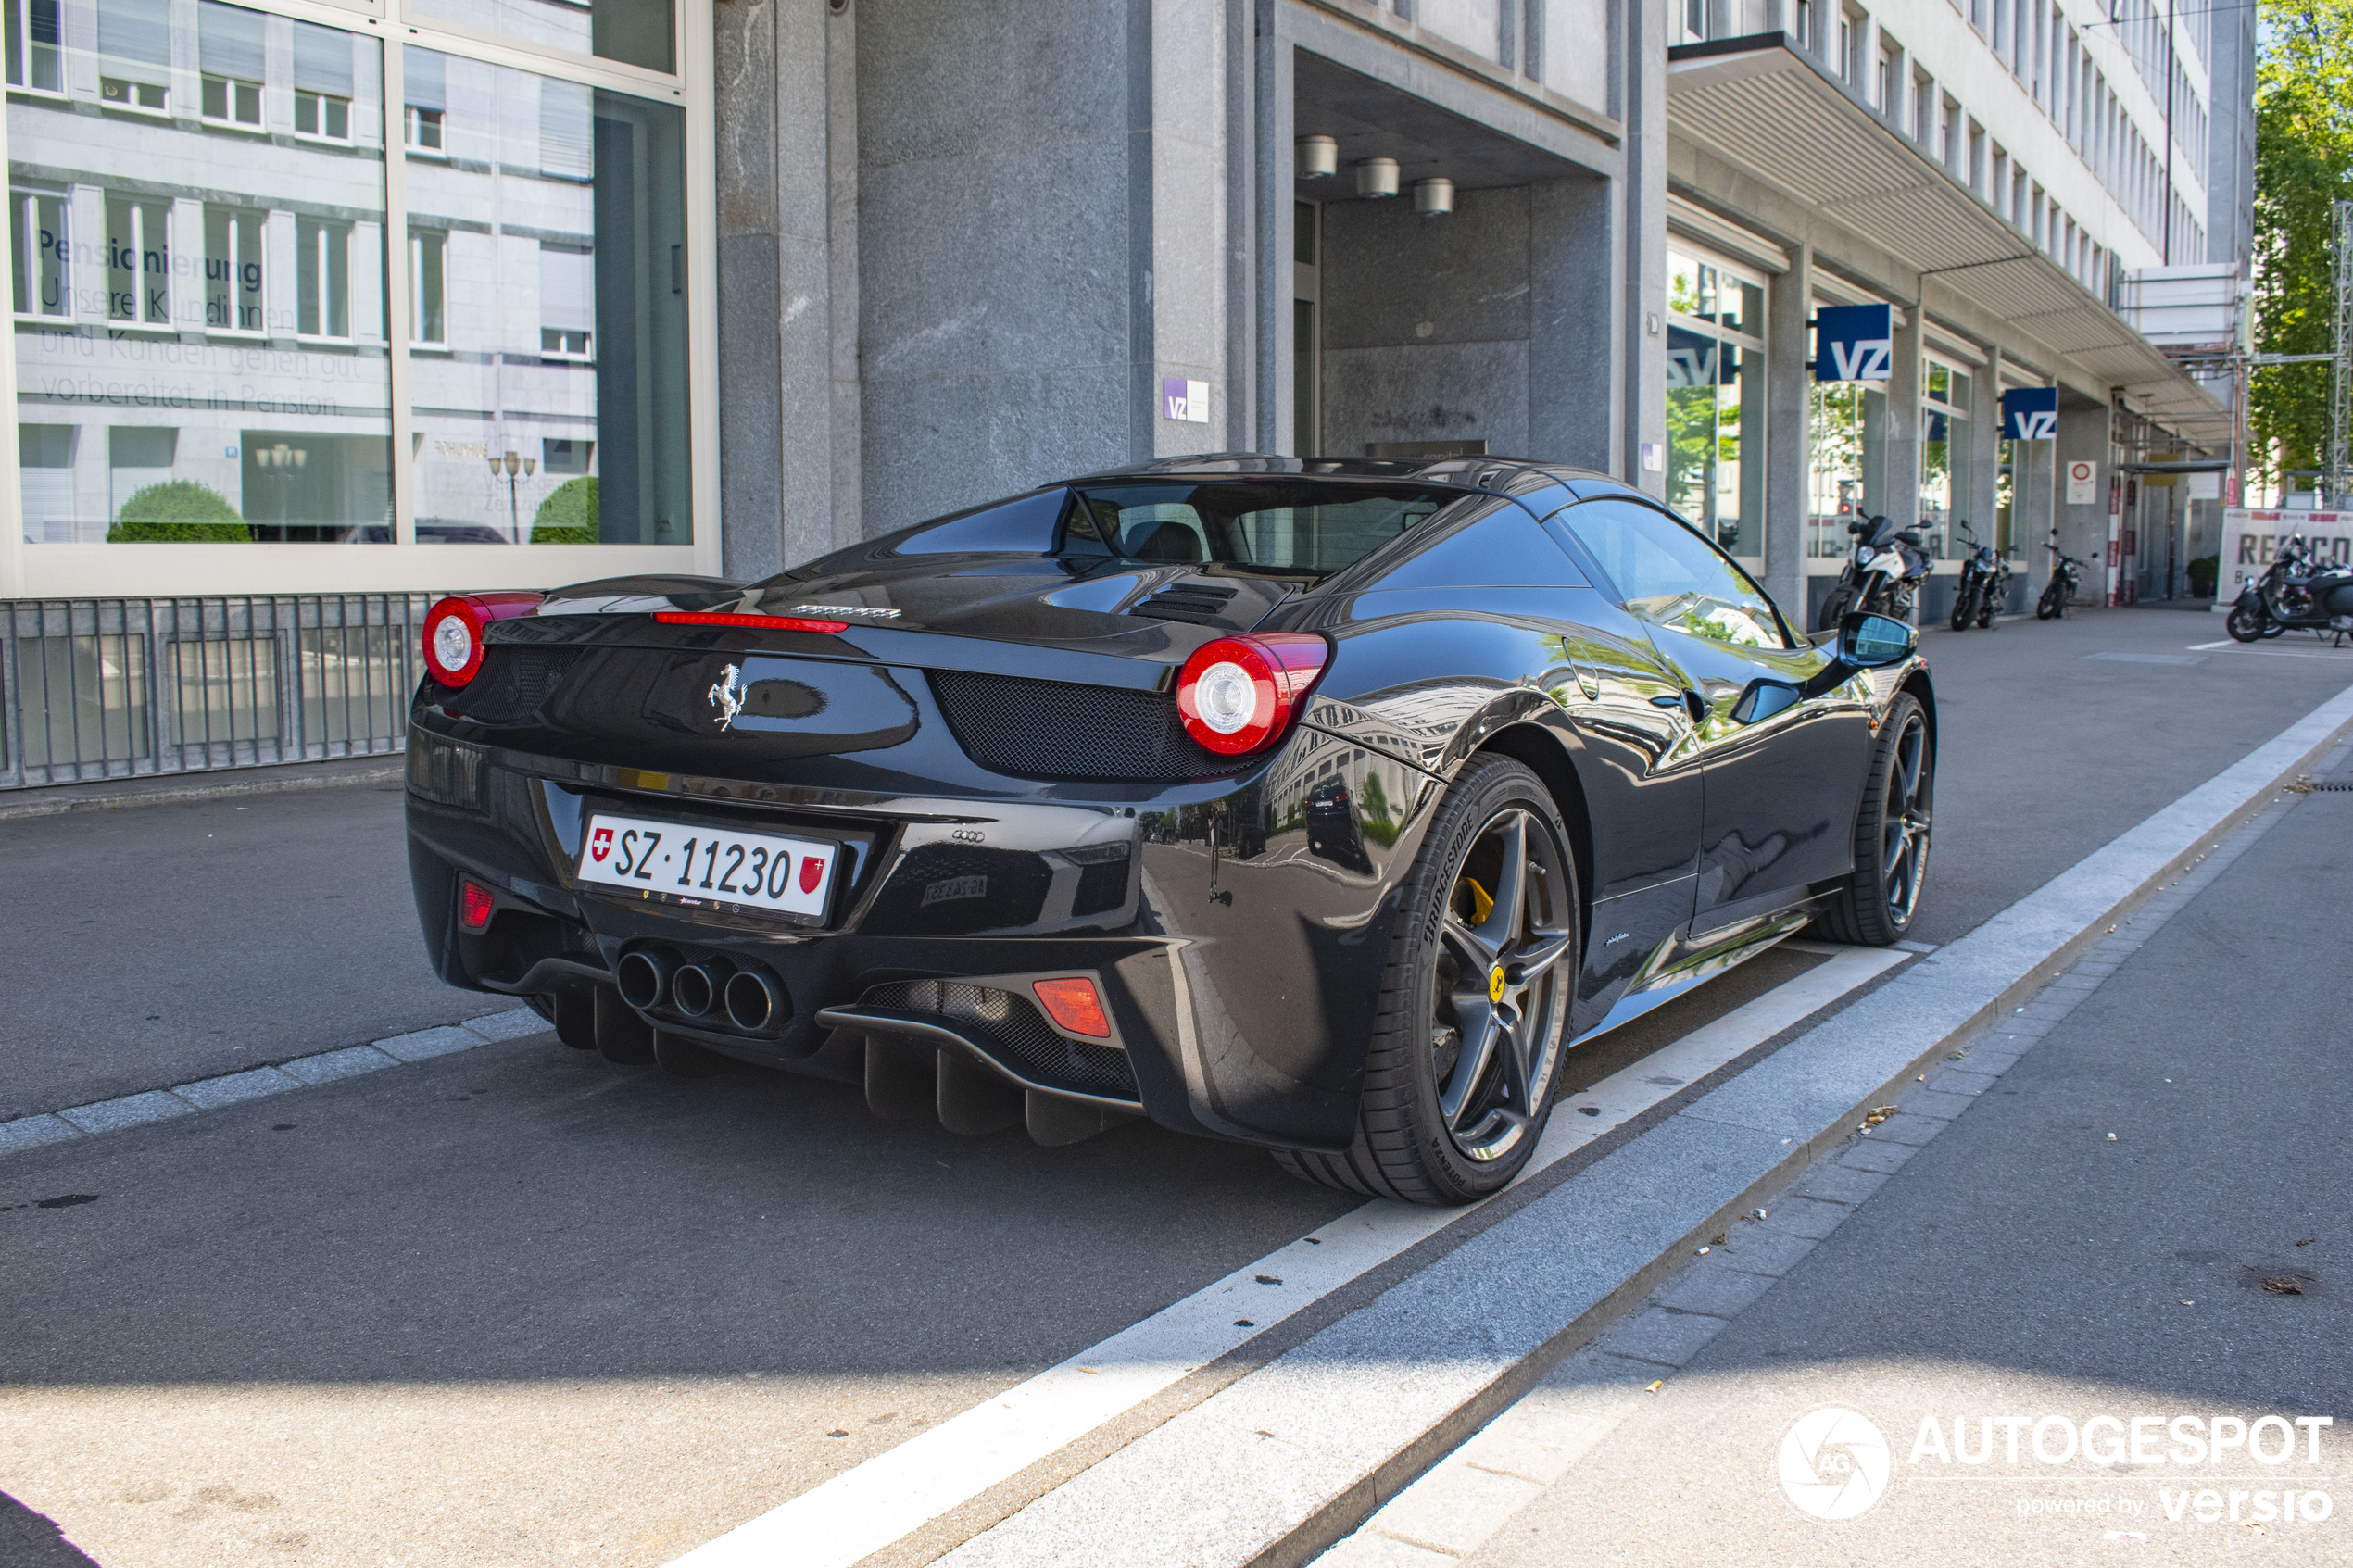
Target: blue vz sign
2030	413
1853	343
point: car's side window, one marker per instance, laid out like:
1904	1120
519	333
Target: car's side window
1506	548
1665	573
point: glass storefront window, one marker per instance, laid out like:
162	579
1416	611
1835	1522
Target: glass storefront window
547	319
1846	478
1946	495
209	312
636	31
1716	401
200	325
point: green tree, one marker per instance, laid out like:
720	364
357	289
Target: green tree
568	516
178	511
2303	165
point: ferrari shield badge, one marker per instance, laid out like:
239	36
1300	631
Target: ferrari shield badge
727	695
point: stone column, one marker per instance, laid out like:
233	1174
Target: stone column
1986	459
1273	131
1788	389
1575	342
1641	224
778	361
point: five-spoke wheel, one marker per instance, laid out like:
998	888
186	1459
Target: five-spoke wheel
1474	1014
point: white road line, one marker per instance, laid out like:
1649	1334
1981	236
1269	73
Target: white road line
256	1083
865	1509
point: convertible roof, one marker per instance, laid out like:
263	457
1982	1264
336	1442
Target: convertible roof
1501	476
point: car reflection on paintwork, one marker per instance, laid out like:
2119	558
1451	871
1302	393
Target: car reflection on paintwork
1332	829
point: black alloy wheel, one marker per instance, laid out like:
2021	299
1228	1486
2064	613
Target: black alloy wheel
2245	622
1891	833
1985	609
1475	1000
2052	603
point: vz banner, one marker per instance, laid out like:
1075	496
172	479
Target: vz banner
1853	343
2030	413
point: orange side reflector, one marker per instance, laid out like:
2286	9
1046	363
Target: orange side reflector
1074	1005
756	622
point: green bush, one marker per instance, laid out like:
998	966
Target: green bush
178	511
2203	571
568	516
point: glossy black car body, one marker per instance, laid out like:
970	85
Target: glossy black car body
1011	726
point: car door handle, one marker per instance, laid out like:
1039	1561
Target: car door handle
1690	702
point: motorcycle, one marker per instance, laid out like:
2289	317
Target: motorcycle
1984	583
1883	576
2296	592
2066	572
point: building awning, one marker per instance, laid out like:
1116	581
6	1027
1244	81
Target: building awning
1762	104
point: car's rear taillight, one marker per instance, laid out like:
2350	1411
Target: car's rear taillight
1237	695
454	629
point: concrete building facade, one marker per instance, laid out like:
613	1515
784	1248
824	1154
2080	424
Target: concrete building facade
510	294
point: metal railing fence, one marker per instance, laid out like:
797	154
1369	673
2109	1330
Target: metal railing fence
125	688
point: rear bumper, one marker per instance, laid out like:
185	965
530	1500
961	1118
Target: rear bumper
1239	969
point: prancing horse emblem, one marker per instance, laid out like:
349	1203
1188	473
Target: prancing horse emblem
726	695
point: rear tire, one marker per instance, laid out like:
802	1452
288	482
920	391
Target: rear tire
1472	1019
1875	908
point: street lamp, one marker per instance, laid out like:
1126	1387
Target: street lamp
282	462
507	468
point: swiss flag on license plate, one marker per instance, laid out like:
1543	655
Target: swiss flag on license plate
600	844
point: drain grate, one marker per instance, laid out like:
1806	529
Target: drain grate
2318	786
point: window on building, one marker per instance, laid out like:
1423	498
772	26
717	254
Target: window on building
428	287
1889	86
1851	31
1977	158
39	275
323	115
636	31
421	130
138	261
553	248
597	176
1924	112
229	102
1952	144
323	278
1805	34
1946	496
1715	399
232	268
35	61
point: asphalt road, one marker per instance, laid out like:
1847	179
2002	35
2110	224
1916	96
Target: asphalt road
151	945
522	1306
2022	1264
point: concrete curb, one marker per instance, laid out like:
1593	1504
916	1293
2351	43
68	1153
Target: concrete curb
1280	1465
255	1083
113	794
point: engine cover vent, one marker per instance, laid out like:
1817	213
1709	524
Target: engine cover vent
1198	603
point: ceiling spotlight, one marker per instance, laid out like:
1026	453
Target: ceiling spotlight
1377	177
1434	197
1316	157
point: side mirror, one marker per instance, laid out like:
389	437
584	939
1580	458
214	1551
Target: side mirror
1871	641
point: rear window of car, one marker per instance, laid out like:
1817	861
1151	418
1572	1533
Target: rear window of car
1281	528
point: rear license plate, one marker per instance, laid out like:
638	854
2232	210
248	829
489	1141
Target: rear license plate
709	866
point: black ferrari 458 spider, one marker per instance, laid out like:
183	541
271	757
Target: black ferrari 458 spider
1317	805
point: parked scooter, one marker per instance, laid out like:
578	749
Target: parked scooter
1884	575
1985	583
2066	572
2296	593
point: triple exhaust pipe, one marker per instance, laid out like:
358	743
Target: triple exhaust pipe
704	990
